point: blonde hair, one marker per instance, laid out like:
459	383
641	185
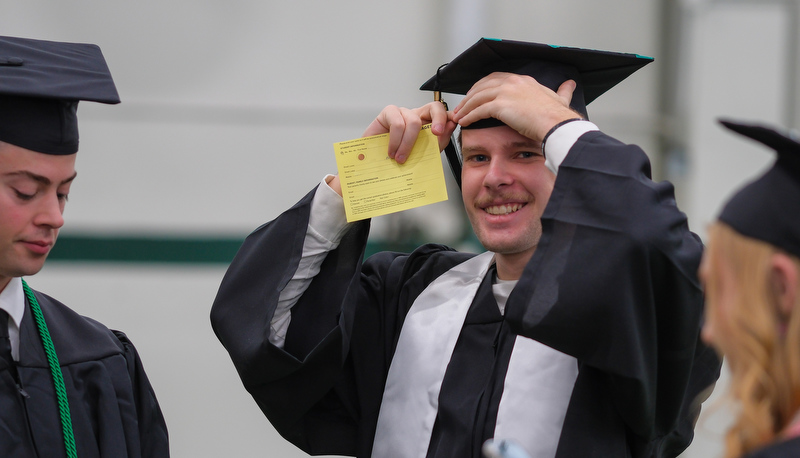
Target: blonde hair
761	347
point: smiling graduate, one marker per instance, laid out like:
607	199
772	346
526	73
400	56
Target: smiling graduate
545	339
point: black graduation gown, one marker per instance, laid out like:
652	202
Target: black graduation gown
323	390
114	409
617	266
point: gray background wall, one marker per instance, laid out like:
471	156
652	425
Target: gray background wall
230	110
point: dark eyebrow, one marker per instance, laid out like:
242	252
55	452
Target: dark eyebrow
527	144
39	178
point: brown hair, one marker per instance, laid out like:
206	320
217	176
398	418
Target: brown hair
761	347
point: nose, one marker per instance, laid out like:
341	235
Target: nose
498	174
51	212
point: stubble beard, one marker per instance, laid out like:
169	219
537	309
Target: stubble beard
527	240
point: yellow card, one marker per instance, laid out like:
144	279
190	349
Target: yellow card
374	184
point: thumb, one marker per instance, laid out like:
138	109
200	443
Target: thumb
565	91
445	136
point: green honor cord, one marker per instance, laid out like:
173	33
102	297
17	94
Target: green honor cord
55	370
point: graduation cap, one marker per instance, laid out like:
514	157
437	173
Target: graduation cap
768	208
593	71
41	83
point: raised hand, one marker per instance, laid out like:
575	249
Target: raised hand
519	101
404	124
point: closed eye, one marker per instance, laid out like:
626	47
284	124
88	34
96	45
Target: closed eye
23	196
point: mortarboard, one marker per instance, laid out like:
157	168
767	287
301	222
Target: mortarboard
768	208
41	83
594	72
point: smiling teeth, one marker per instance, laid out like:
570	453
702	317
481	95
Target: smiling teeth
502	209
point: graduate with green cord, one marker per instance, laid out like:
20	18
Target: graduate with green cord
69	386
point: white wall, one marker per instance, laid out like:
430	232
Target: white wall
738	66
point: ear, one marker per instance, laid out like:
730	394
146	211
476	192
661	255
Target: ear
785	277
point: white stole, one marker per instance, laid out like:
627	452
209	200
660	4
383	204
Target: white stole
537	388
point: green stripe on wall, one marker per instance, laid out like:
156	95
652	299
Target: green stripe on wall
191	250
145	249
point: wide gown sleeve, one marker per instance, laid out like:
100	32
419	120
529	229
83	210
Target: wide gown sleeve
290	384
322	391
613	283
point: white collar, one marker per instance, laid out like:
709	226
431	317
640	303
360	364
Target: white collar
502	289
12	300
